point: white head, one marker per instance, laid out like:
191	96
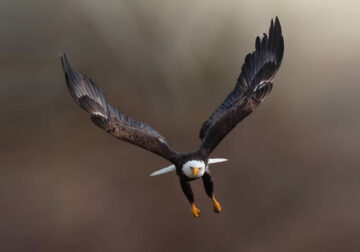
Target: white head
194	168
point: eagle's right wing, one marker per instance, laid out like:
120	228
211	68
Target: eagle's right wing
88	95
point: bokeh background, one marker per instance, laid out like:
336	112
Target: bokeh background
292	182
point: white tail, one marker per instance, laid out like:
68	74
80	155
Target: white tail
172	167
163	170
217	160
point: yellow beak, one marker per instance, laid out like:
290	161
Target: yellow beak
195	171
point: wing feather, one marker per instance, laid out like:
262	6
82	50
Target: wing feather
253	85
89	96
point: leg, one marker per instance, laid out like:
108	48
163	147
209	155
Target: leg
209	188
185	186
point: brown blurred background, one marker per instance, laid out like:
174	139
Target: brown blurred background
292	181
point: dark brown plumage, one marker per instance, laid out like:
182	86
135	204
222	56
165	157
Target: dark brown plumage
88	95
253	85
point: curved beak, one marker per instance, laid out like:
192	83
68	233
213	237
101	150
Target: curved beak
195	171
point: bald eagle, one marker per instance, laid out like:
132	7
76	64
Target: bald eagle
252	87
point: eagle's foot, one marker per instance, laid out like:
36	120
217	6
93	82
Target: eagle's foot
217	207
195	211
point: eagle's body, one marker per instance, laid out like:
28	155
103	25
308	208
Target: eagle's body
253	85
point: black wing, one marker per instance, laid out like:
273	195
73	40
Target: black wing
88	95
253	85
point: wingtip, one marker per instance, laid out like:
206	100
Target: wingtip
64	58
277	25
64	62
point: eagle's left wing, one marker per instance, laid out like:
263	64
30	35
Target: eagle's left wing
253	85
89	96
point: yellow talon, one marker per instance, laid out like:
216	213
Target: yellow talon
217	207
195	211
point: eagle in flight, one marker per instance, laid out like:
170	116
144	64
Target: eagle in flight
251	88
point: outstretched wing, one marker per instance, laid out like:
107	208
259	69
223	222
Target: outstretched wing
88	95
253	85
